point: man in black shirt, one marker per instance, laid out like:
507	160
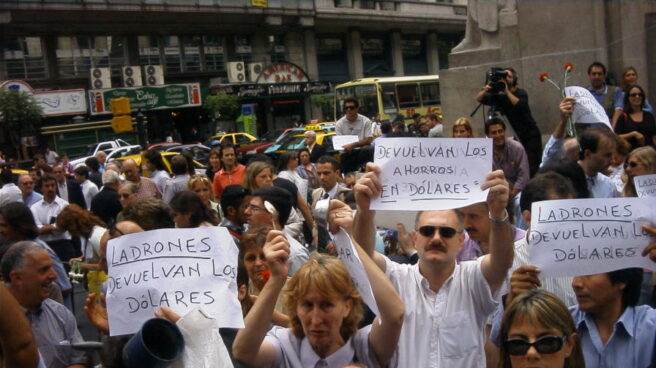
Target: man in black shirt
513	103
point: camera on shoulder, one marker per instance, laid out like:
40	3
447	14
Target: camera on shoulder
495	78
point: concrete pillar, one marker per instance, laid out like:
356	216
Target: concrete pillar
432	54
50	53
310	53
397	53
132	50
354	54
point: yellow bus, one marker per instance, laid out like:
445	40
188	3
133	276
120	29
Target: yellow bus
391	96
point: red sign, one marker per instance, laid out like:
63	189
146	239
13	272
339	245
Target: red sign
282	72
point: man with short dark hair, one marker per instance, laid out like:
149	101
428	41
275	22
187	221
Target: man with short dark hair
158	173
27	270
352	123
26	186
89	189
45	214
509	156
67	188
180	179
611	98
258	214
41	165
328	174
596	150
233	204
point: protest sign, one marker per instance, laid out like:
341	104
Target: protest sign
645	185
574	237
421	174
339	141
348	254
178	268
586	108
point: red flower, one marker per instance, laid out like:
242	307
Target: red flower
568	66
265	275
543	77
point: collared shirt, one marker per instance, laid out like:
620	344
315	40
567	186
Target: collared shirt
63	189
618	99
436	131
298	254
292	353
146	188
176	184
630	345
10	193
443	329
225	178
514	163
32	198
89	190
471	249
44	212
160	177
553	149
360	127
52	324
601	186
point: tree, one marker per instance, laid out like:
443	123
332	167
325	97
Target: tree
224	104
20	115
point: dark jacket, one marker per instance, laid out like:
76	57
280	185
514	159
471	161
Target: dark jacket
106	205
75	194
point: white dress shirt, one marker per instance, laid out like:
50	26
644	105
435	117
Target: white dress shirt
43	212
447	328
63	190
89	190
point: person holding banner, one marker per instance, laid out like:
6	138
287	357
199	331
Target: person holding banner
448	303
325	308
641	161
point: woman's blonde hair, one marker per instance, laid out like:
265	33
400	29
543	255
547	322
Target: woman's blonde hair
542	308
252	170
201	179
465	123
331	279
647	156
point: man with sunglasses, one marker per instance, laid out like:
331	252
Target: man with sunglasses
447	304
352	123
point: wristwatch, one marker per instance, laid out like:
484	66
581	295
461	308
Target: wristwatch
499	222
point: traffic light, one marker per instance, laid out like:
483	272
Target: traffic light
122	121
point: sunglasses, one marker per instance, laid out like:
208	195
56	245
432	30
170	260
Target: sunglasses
444	231
350	107
631	164
544	345
636	95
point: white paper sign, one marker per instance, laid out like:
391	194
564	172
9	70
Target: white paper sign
420	174
348	254
645	185
575	237
179	268
586	108
339	141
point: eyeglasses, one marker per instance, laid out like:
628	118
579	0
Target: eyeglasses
636	95
544	345
350	107
444	231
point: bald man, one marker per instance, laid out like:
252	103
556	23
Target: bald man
145	187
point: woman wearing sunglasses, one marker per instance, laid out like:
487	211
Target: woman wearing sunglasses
538	330
635	124
641	161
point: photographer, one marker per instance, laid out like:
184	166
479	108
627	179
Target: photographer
502	93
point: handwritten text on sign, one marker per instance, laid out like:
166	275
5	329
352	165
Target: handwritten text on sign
586	236
431	174
347	253
339	141
586	108
178	268
645	185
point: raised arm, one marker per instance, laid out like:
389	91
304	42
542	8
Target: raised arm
364	230
384	336
249	347
496	264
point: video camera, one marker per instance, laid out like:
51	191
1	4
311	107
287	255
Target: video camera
495	78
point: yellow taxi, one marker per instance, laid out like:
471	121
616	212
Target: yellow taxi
297	141
237	139
140	160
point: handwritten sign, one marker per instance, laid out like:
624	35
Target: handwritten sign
645	185
348	254
421	174
586	109
587	236
178	268
339	141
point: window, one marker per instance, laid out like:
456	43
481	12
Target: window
73	56
24	58
408	95
214	53
192	53
148	50
172	56
277	45
430	94
413	49
389	98
243	49
331	58
241	139
376	57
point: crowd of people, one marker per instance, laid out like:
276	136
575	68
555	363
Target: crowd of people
458	290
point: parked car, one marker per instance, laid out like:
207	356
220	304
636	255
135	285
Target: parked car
297	141
237	139
166	158
112	153
162	146
199	152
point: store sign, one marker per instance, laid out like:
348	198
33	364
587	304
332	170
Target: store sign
282	72
53	103
280	89
147	98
